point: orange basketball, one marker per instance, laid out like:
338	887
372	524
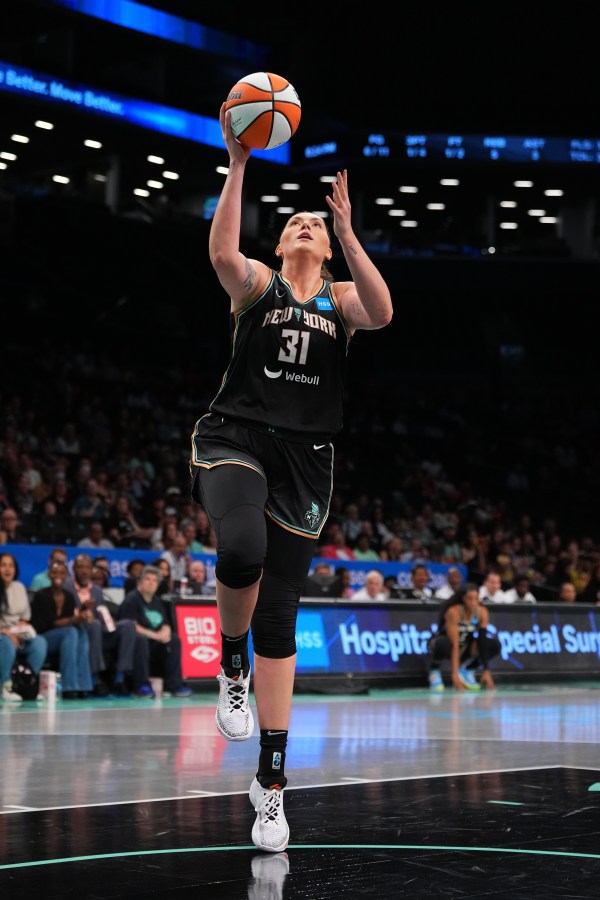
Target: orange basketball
265	110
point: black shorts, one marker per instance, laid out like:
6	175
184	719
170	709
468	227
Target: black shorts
299	476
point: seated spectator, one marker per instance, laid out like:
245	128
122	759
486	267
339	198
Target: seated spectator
454	579
520	593
363	550
420	532
100	576
417	552
381	532
90	504
373	588
24	500
491	589
18	640
336	547
351	524
190	533
197	578
159	643
42	579
178	559
448	548
134	570
103	562
61	496
54	615
462	638
104	634
418	590
122	526
95	539
322	582
166	579
392	550
567	592
343	580
391	587
591	592
11	531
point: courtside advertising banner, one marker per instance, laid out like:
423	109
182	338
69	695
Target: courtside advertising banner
391	639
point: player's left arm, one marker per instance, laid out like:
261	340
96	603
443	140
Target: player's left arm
365	302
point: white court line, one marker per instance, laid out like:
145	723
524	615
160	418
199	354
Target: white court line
193	795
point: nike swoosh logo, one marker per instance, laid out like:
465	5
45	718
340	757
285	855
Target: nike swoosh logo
270	374
271	733
279	293
319	446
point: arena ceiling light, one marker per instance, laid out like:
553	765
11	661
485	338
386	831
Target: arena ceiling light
19	138
41	123
554	192
172	176
408	189
157	160
94	145
523	183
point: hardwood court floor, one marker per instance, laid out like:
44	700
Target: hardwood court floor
396	793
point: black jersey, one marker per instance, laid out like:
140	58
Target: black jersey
288	364
466	627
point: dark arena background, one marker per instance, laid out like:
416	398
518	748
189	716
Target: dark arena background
472	142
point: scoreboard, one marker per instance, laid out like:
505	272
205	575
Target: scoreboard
406	146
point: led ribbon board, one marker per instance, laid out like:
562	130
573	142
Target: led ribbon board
160	24
154	116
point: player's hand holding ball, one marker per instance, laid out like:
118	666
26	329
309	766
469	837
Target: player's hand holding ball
265	111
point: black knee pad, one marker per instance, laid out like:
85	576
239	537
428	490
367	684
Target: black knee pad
233	577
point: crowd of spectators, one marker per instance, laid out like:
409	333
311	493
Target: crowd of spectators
96	455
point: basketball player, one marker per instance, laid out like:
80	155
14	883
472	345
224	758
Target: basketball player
262	457
462	638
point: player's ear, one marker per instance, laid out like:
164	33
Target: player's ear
279	251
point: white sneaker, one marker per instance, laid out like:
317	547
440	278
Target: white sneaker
233	716
268	876
270	831
9	695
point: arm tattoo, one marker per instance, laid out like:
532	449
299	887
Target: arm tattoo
231	169
250	277
352	249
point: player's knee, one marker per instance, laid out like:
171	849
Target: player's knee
234	570
242	544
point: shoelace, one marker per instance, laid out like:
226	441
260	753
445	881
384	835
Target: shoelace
271	805
235	695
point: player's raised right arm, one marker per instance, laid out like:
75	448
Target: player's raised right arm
238	275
